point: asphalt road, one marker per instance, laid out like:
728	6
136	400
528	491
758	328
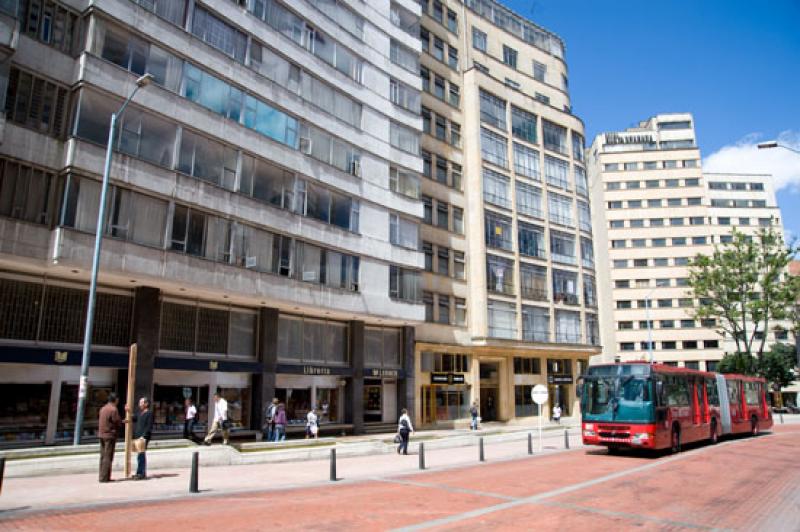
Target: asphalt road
740	484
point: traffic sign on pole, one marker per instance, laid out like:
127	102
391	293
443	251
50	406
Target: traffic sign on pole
539	396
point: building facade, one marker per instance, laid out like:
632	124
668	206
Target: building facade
256	240
661	210
509	285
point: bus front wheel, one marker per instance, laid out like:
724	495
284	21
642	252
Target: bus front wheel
676	440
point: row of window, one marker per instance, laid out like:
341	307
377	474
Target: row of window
658	222
441	127
166	224
497	192
726	220
651	165
738	203
735	185
438	12
438	309
498	231
51	23
653	183
645	283
153	139
36	103
494	112
658	262
660	242
536	324
440	50
683	302
708	323
657	202
405	96
441	170
442	217
500	274
444	90
670	345
443	266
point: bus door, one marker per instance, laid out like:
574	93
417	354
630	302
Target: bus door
706	408
735	400
697	402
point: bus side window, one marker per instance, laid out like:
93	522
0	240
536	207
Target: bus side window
711	391
733	392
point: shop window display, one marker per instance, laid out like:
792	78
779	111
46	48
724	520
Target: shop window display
68	407
169	411
297	401
328	405
23	411
238	406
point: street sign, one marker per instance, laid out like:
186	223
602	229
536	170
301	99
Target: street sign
539	394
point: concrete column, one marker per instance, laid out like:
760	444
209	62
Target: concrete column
354	405
52	410
146	318
407	387
264	383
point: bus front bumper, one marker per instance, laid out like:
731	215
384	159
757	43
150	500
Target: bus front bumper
619	435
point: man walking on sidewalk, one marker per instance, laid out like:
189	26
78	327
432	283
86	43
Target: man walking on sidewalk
108	424
221	422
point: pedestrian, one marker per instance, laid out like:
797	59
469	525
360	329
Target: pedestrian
280	423
108	425
221	422
557	414
404	428
474	413
142	433
312	424
269	419
190	421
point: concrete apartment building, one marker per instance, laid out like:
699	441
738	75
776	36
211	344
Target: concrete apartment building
509	281
660	210
255	241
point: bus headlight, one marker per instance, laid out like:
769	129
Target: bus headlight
641	437
589	433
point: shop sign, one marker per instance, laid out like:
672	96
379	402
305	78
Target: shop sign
381	372
61	357
559	379
312	370
447	378
213	365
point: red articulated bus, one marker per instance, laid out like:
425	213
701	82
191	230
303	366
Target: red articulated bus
655	406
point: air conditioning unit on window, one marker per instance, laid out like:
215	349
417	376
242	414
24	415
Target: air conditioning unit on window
306	145
309	276
355	167
250	262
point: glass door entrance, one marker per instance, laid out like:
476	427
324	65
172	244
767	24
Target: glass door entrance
373	401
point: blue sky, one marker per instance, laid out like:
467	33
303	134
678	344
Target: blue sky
734	64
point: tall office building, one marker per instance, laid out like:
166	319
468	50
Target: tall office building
509	281
254	242
661	210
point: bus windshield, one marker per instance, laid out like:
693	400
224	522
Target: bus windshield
617	398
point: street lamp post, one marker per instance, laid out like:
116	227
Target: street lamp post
775	144
648	302
98	239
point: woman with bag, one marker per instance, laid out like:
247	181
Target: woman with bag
404	429
280	423
312	425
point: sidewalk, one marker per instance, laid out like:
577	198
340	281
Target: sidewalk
65	491
177	454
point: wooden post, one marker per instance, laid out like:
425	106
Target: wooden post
128	414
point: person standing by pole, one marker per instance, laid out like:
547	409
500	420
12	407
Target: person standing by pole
221	422
142	434
108	425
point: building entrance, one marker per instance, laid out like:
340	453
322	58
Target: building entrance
489	390
373	401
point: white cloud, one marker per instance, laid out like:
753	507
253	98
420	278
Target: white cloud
744	157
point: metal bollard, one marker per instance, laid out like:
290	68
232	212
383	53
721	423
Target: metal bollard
333	465
193	479
422	455
480	452
566	439
2	471
781	414
530	443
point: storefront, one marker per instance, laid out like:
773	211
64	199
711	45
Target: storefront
560	385
301	388
446	389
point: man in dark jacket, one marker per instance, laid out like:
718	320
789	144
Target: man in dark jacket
108	425
143	430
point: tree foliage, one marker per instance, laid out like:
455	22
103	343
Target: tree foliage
776	365
740	363
745	286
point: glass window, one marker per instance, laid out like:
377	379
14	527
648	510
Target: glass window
562	247
565	287
556	171
502	319
498	231
493	110
523	124
479	40
496	188
529	200
526	162
509	56
531	240
555	137
560	209
500	275
494	148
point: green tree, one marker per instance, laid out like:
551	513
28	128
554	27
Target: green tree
745	286
777	365
740	363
